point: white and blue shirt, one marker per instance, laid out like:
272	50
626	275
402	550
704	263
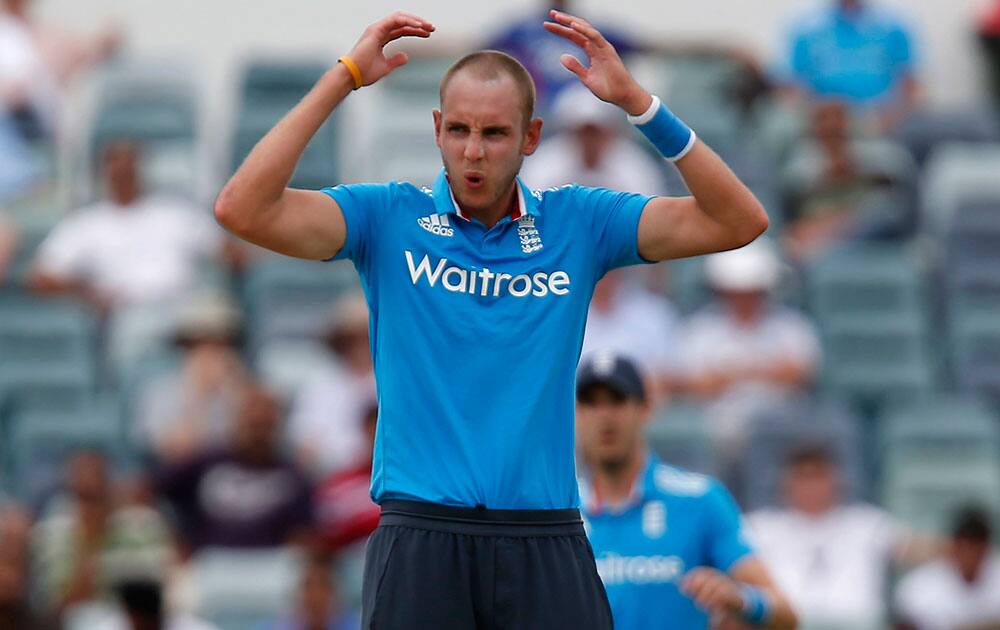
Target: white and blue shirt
476	335
674	521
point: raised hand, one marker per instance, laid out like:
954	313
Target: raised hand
368	52
607	77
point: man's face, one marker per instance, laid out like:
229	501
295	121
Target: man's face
969	555
257	424
812	487
483	138
609	426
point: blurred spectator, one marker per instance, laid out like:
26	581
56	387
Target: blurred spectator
15	613
856	51
743	351
960	590
130	248
92	538
37	62
8	245
19	167
591	150
527	41
141	607
325	426
627	318
246	493
988	30
192	407
345	513
318	607
832	178
831	558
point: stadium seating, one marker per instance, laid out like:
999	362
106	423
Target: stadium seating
156	104
679	435
292	299
871	306
939	452
922	131
268	90
40	440
953	174
402	143
239	589
777	431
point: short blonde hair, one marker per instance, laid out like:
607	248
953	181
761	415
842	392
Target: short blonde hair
490	65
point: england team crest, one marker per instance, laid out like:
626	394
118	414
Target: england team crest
531	241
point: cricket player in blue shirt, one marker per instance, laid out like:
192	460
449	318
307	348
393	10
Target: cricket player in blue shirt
478	291
669	543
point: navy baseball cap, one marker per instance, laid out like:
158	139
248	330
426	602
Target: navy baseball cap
614	371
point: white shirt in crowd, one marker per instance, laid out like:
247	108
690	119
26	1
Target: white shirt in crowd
640	325
625	167
935	597
714	341
24	69
327	418
833	568
148	252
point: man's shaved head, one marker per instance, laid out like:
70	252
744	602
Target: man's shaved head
492	65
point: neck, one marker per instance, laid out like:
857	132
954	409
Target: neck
492	215
613	481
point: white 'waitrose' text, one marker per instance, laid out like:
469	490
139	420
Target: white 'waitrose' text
485	282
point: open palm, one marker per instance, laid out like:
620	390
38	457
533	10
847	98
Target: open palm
368	52
607	77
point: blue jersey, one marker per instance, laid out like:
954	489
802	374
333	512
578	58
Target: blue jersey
675	521
476	335
859	55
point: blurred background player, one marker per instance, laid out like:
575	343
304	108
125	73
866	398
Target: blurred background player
959	590
669	543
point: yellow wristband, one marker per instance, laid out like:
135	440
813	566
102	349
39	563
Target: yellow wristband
353	69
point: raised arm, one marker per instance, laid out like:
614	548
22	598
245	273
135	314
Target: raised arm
257	205
721	214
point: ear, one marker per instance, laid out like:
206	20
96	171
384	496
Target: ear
437	127
532	136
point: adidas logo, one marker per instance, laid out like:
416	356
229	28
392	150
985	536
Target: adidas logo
436	224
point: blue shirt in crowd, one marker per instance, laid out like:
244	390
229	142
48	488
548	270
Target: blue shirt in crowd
675	521
861	55
476	335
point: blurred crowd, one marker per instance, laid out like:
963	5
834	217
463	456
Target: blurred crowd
219	476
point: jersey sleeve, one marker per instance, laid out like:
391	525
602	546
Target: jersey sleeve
361	205
727	543
614	225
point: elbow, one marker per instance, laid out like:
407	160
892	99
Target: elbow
227	211
755	224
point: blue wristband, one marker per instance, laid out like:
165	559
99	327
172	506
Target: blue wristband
756	606
668	133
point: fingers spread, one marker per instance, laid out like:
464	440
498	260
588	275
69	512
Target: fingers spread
565	31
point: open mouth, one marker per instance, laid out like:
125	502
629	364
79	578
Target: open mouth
474	180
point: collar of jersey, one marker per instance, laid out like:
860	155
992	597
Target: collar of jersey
640	490
444	199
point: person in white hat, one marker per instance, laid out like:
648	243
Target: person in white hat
743	350
591	149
